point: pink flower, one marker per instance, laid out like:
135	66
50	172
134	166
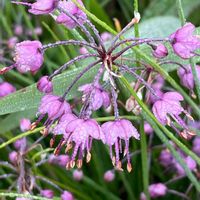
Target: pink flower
72	9
157	190
83	50
109	176
77	175
28	56
100	97
25	124
116	131
53	106
160	51
18	30
82	132
67	196
184	42
47	193
6	89
186	76
41	7
45	85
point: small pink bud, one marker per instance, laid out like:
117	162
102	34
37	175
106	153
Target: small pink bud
67	196
19	143
6	89
47	193
12	42
147	128
160	51
78	175
83	50
18	30
25	124
109	176
157	190
45	85
13	157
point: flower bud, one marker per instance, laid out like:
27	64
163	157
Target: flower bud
13	157
78	175
160	51
19	143
6	89
45	85
67	196
25	124
47	193
157	190
109	176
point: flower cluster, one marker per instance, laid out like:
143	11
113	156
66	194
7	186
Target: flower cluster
78	129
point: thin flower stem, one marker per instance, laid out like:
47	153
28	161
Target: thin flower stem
196	77
177	178
137	40
173	62
133	45
7	164
136	27
68	42
79	76
69	63
180	194
126	28
87	33
49	182
130	71
146	58
7	176
96	32
144	157
114	101
180	11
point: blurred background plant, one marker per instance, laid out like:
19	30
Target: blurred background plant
98	179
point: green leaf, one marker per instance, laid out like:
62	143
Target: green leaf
168	7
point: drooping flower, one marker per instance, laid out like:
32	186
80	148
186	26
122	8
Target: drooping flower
186	76
160	51
77	175
6	89
12	42
157	190
168	107
45	85
67	196
184	42
40	7
53	106
25	124
28	56
81	132
72	9
109	176
116	131
47	193
100	97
